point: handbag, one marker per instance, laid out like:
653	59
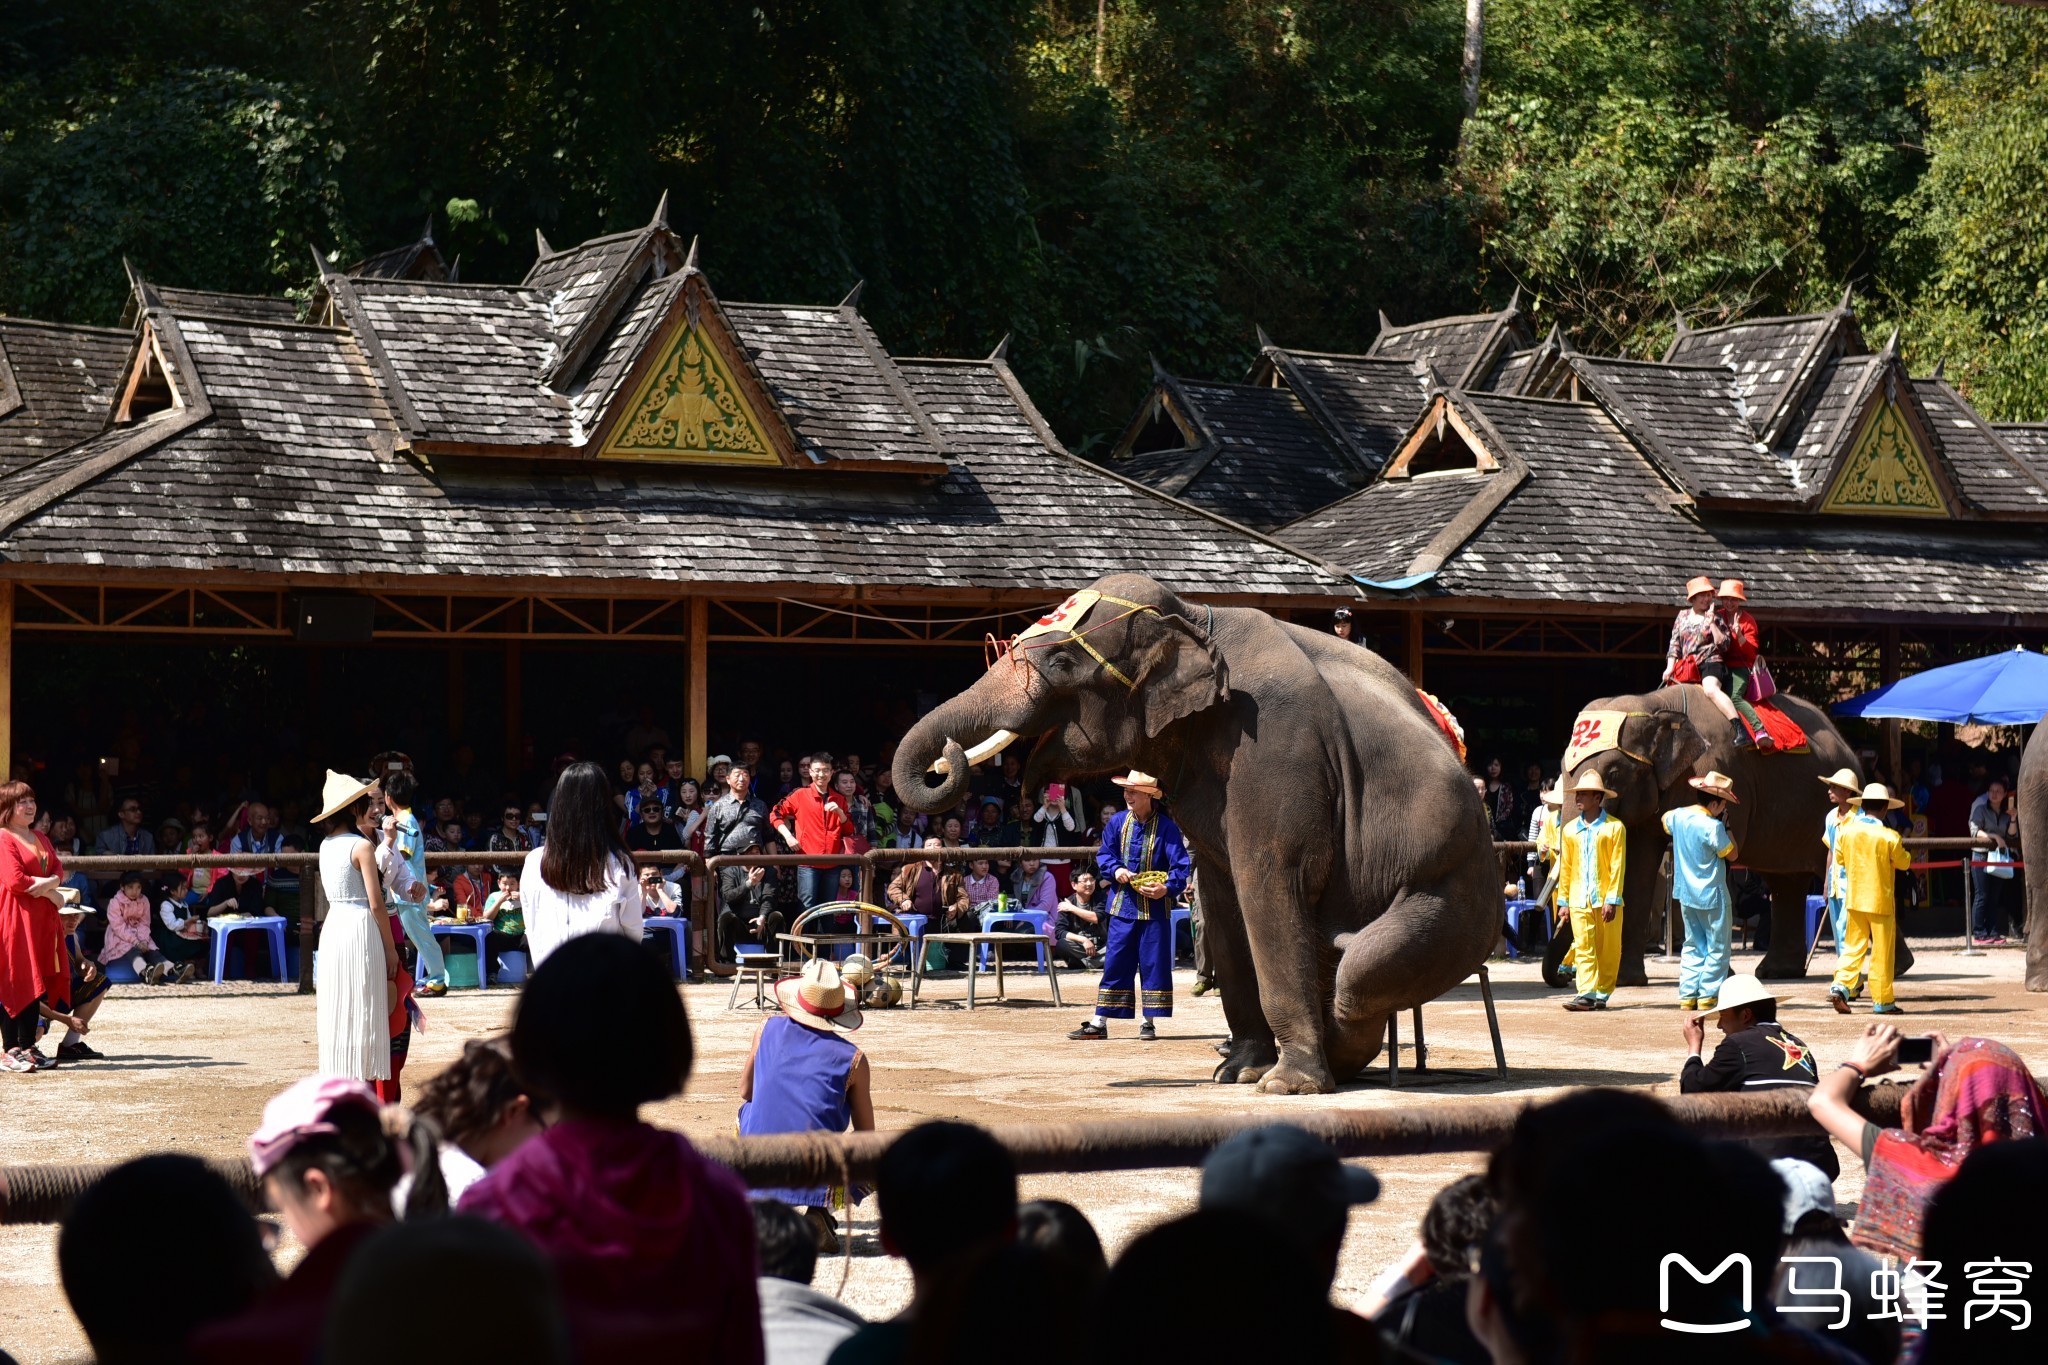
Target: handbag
1998	863
1762	686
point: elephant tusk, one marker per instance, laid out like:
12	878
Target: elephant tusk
982	752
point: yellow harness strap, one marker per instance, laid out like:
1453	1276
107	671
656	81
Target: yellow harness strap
1068	614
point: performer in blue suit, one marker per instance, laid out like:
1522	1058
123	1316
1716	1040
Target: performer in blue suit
1145	865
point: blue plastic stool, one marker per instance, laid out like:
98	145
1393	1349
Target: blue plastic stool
1035	918
1180	917
512	967
476	933
272	927
678	931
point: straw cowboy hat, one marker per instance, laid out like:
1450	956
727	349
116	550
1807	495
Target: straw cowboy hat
1553	795
1879	794
818	998
1844	779
1738	991
1142	782
1591	781
338	793
1716	784
1696	585
1731	587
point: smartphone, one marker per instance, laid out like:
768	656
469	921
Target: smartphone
394	767
111	767
1916	1051
1055	791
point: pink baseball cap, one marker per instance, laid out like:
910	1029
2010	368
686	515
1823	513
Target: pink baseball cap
301	1111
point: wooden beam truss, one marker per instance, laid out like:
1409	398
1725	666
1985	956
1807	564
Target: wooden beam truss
231	613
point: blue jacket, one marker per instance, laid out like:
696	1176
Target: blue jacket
1155	846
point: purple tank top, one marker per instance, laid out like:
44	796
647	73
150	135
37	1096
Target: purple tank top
799	1087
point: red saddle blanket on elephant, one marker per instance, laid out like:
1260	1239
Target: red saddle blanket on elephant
1787	735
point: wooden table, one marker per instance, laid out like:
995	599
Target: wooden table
973	943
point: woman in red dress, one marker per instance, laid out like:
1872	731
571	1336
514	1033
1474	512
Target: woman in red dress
33	963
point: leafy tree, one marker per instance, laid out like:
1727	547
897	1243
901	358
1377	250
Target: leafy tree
208	178
1980	217
1638	159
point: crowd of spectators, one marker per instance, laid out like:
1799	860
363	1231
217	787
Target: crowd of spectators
527	1167
153	925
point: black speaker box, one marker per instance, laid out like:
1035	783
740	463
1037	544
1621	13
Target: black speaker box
334	619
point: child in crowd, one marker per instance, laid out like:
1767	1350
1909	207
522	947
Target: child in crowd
653	1244
183	936
470	889
983	890
1078	937
328	1167
481	1111
128	938
507	919
87	987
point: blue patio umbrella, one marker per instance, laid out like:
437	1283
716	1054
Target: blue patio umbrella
1999	689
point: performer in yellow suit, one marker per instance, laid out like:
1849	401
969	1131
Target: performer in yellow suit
1868	855
1591	859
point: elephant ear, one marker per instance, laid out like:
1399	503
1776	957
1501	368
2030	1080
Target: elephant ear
1183	673
1675	749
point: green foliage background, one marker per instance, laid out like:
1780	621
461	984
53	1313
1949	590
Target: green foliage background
1298	165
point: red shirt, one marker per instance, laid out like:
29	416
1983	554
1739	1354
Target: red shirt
1741	649
818	829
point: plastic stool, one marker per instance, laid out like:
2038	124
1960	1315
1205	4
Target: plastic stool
512	967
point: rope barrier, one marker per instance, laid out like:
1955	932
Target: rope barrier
41	1194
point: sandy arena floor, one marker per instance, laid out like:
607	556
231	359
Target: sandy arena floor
189	1069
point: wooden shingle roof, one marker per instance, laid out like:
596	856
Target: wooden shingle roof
1594	520
58	385
1691	419
1774	359
1257	457
1987	467
1462	350
289	461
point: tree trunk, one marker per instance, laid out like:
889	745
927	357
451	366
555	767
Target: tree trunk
1475	40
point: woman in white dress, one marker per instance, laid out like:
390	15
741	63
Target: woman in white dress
581	880
358	967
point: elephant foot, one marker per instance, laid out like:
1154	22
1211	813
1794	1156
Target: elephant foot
1632	974
1248	1062
1289	1079
1779	970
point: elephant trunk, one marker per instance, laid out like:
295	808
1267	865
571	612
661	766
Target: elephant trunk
932	750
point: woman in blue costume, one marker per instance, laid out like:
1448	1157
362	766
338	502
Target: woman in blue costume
805	1075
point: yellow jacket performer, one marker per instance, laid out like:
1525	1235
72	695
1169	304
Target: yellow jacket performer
1592	858
1869	855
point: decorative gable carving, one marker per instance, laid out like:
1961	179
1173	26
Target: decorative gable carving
690	408
1888	472
691	397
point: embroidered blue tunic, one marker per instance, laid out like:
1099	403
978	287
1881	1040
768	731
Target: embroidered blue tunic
1140	940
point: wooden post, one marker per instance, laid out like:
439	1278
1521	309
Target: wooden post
1415	647
515	712
1888	671
7	679
458	693
697	698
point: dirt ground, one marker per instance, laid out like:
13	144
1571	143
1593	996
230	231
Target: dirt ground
189	1069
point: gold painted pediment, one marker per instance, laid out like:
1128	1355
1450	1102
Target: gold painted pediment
690	409
1887	473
